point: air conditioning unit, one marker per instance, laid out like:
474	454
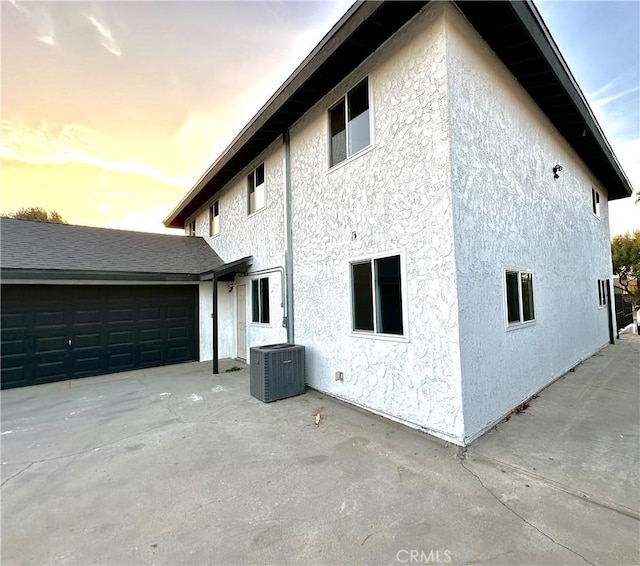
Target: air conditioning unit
276	371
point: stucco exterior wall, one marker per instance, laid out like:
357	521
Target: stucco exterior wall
510	213
260	235
392	198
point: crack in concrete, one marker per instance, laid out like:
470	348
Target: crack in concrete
79	453
574	492
462	456
16	474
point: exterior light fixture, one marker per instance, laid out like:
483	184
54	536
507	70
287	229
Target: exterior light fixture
556	169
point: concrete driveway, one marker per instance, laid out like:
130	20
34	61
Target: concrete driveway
176	466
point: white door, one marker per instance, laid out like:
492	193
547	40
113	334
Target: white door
241	291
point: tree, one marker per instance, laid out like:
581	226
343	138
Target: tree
625	254
38	214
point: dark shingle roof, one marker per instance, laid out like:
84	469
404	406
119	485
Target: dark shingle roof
63	248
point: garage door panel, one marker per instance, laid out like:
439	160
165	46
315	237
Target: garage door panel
13	320
50	319
88	364
111	328
150	314
150	335
50	344
50	370
177	354
84	317
120	315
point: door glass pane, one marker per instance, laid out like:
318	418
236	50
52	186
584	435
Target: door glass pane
362	296
255	301
358	104
264	300
527	296
513	305
338	134
389	295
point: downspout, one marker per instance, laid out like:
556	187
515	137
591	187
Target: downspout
214	316
610	314
288	244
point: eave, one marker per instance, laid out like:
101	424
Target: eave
513	29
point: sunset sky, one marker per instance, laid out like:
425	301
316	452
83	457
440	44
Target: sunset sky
112	110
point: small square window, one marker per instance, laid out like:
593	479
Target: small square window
595	202
191	229
349	127
256	190
376	287
519	289
260	300
214	218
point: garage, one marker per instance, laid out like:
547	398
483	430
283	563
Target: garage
57	332
78	301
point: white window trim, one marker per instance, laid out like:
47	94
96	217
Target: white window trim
598	212
252	172
364	150
373	335
195	227
250	285
522	324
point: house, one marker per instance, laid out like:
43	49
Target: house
415	198
80	301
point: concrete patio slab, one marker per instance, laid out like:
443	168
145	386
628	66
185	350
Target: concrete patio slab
176	466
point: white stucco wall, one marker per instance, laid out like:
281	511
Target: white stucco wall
396	198
260	235
509	213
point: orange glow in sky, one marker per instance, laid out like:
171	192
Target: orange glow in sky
112	110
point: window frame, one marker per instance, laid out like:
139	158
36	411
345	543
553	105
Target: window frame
596	202
602	293
258	300
511	325
252	188
344	100
191	227
374	334
214	218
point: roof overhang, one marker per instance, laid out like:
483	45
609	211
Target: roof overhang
228	271
513	29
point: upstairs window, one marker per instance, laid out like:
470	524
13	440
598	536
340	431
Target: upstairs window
191	229
595	202
260	300
255	189
214	218
602	293
519	285
349	124
376	287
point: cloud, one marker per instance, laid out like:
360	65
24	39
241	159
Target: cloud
77	144
106	35
40	19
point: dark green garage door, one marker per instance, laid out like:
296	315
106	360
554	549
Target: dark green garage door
56	332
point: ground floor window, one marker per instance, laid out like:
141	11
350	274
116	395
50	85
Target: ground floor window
376	286
260	300
519	286
602	292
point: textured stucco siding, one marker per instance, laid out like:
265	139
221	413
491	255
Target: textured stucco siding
226	345
395	197
509	213
260	235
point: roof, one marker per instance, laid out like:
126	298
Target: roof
513	29
45	250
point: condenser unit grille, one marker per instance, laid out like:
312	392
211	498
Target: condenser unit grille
277	371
